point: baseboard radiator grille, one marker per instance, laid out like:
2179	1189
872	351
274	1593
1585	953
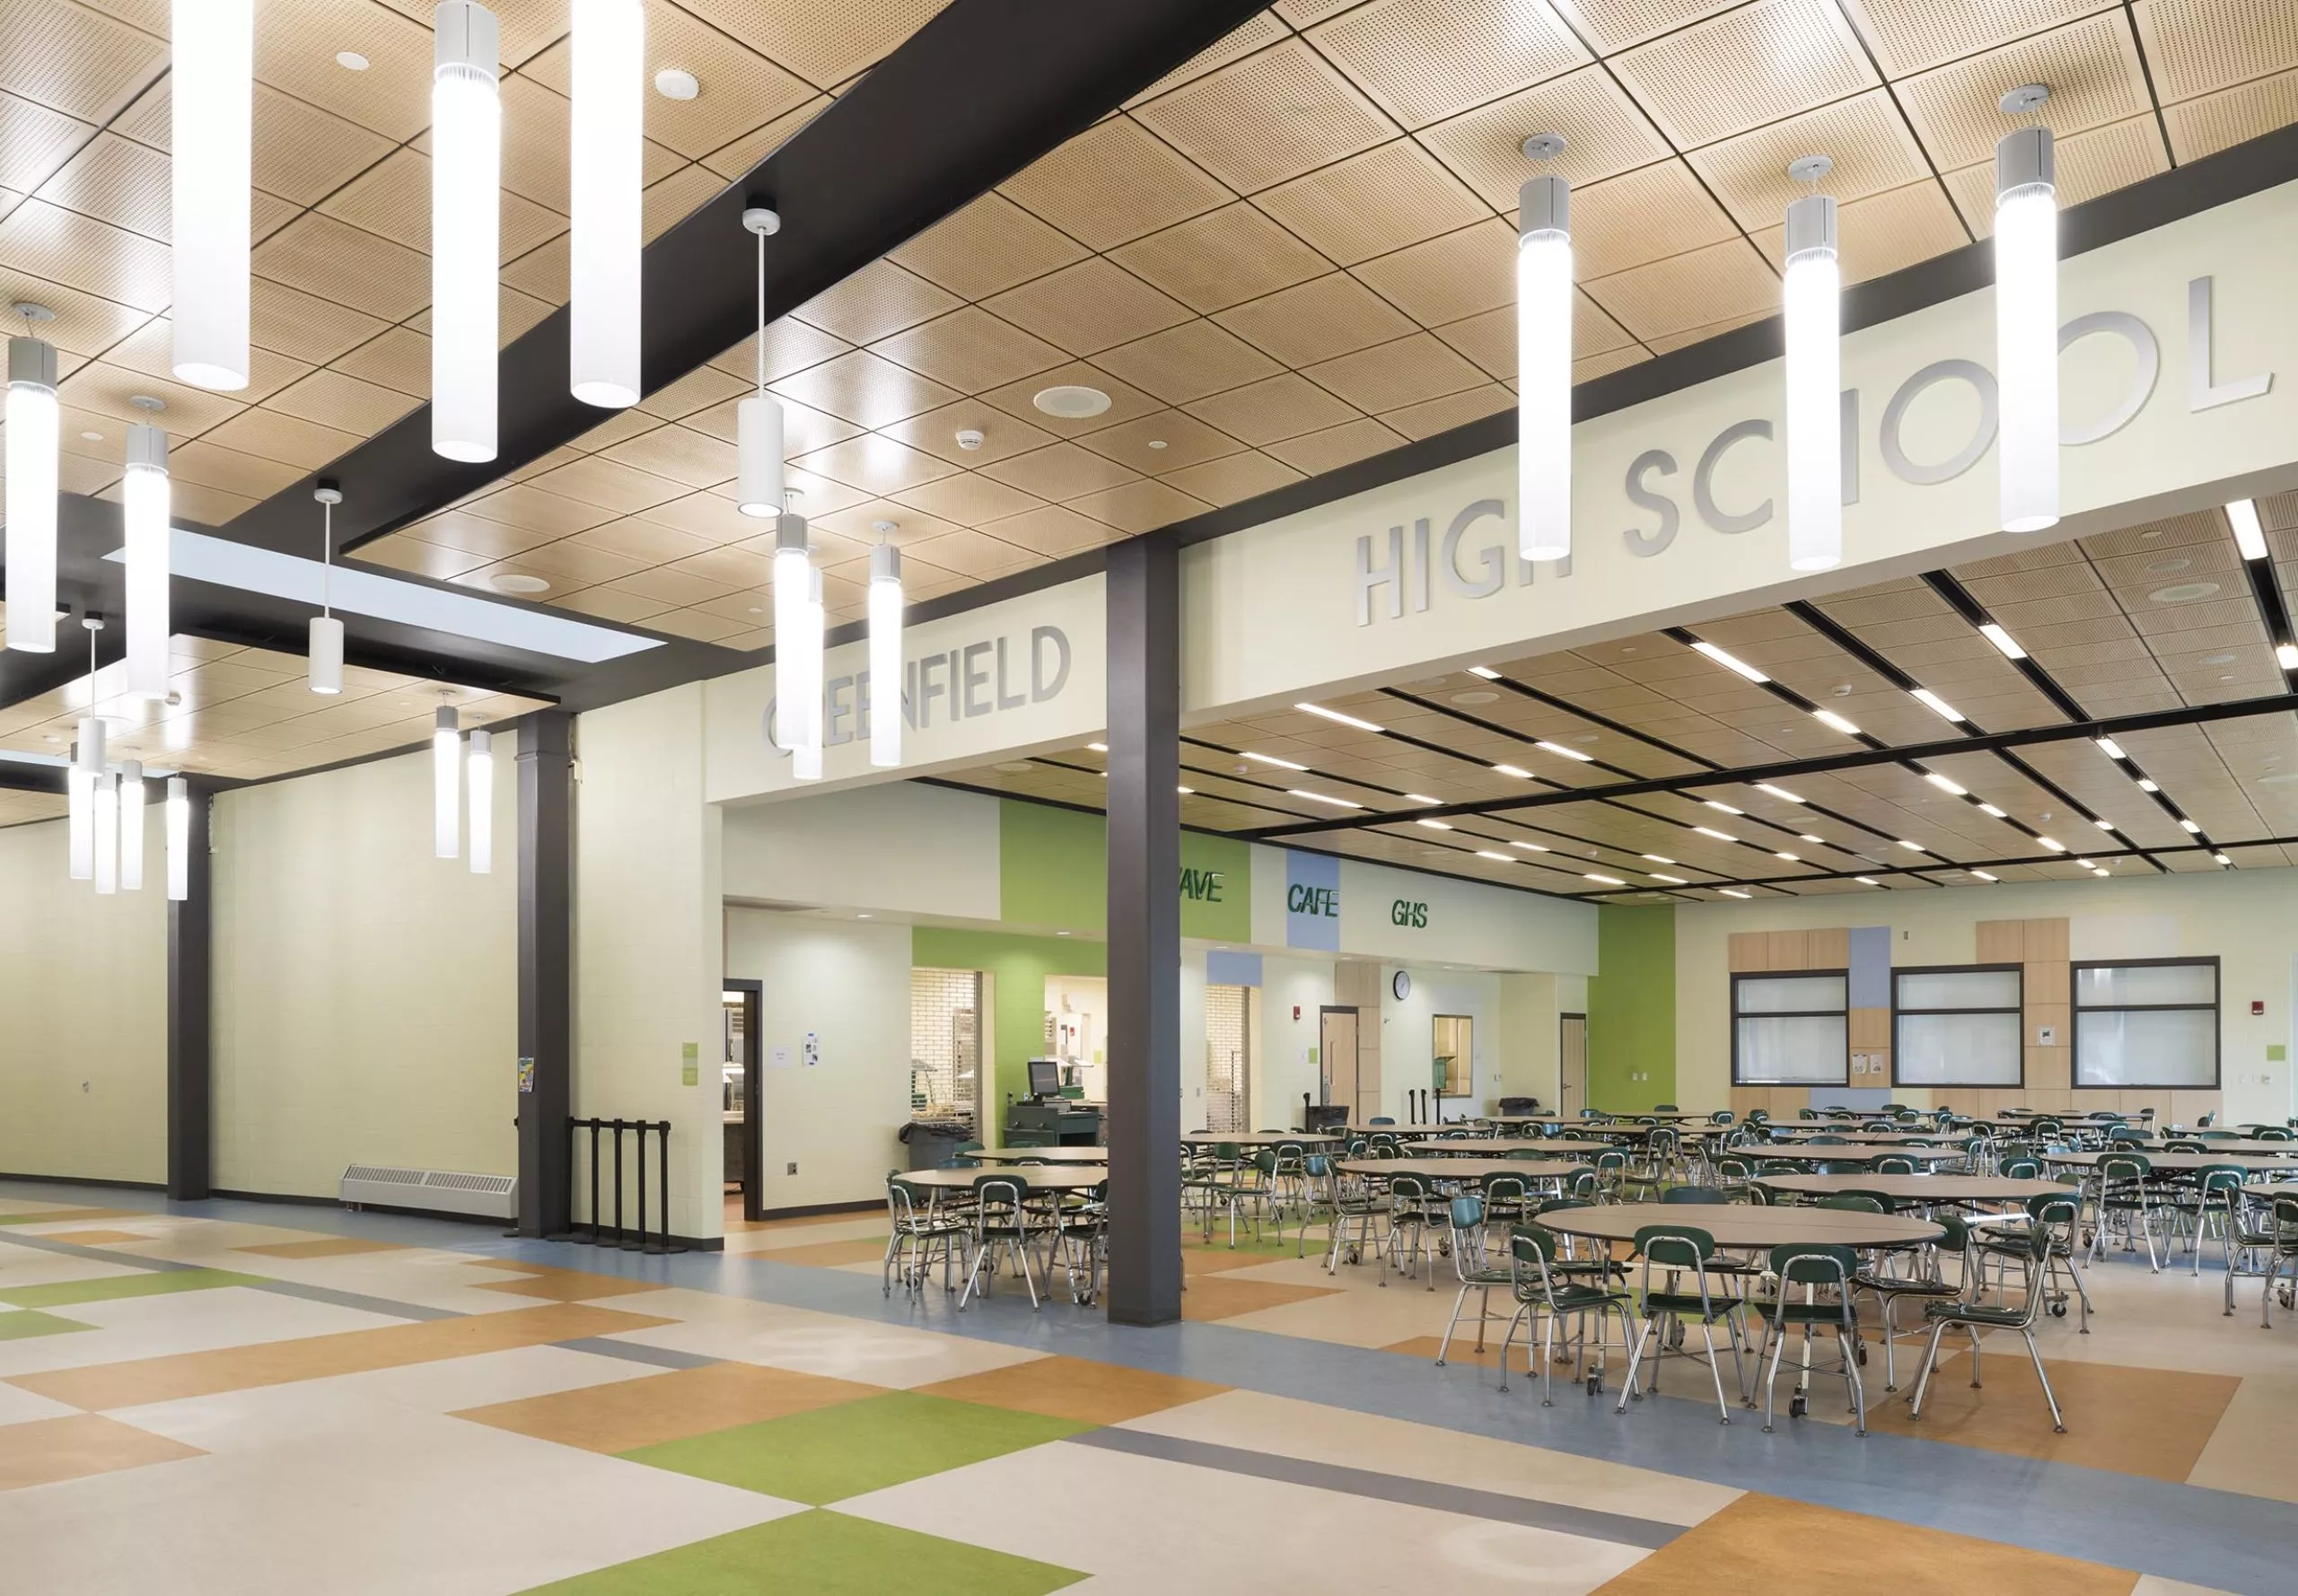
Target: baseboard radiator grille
445	1192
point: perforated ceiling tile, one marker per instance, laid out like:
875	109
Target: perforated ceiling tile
1261	29
150	349
1641	216
1605	133
1431	416
1234	478
1782	56
1113	182
1317	321
966	498
864	389
71	59
1337	446
2092	68
1186	361
740	89
1450	277
1389	376
1002	434
1090	306
992	243
334	399
1864	135
1710	288
680	454
875	302
47	242
1222	258
2090	164
2219	121
295	47
270	435
1282	406
969	350
2195	46
1371	204
35	141
824	45
1058	471
875	464
1423	60
1885	232
1272	116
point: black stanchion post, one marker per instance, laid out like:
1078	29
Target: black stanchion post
665	1128
617	1127
640	1245
595	1182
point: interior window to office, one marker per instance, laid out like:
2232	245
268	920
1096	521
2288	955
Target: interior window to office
1452	1048
2149	1022
1958	1025
1791	1029
945	1032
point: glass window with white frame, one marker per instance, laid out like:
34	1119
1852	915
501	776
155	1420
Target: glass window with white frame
1791	1029
1958	1025
2149	1022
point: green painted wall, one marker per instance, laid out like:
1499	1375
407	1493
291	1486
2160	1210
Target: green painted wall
1053	870
1017	967
1632	1009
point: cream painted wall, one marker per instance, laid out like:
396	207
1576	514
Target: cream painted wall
848	985
83	1014
649	938
901	847
1525	1053
1193	1054
365	992
1281	1069
1408	1035
2244	916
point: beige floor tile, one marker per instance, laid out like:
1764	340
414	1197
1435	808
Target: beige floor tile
322	1247
2250	1451
1089	1392
44	1450
658	1407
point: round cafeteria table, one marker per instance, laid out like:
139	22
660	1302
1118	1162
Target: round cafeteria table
1744	1225
2186	1164
1806	1132
1260	1138
1462	1169
1487	1146
1852	1153
1041	1155
2266	1191
1044	1178
2240	1147
1917	1188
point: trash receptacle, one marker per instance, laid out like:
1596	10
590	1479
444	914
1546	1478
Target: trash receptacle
933	1144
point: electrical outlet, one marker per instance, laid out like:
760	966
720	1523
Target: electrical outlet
792	1169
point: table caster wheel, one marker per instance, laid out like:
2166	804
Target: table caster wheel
1861	1353
2058	1311
1797	1407
1595	1385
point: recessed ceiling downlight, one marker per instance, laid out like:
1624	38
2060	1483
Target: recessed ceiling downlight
509	582
1070	401
2184	592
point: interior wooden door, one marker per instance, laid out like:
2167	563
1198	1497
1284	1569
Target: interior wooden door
1336	1056
1571	1056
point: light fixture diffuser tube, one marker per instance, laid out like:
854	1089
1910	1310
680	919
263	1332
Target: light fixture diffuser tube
80	823
466	229
144	493
607	120
806	759
326	655
1813	307
885	656
1544	370
446	783
105	812
2026	328
211	91
31	507
791	586
482	803
179	839
131	826
2249	537
759	485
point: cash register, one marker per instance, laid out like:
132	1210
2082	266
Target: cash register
1048	1117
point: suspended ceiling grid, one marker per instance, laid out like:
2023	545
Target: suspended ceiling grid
2153	618
1296	250
342	289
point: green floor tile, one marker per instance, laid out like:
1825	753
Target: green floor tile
834	1452
822	1554
147	1282
17	1327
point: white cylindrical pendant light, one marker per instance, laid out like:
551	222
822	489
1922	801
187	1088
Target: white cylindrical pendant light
2026	328
446	783
482	803
211	90
1544	369
143	495
107	833
1814	313
806	759
466	229
80	798
324	653
131	826
32	443
885	656
607	120
759	478
792	588
179	839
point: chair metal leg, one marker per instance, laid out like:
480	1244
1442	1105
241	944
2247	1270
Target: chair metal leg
1930	1362
2057	1422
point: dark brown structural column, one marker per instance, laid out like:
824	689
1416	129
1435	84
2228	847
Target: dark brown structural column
191	1070
546	971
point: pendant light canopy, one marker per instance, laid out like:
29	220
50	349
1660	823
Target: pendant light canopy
2026	317
1813	296
144	499
758	481
885	656
179	839
211	91
32	466
482	803
466	229
325	652
447	783
131	826
792	657
607	122
1544	360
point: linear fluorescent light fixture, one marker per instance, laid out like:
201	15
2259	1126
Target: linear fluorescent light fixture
1728	662
1718	804
1335	716
1256	758
1673	881
2287	655
1323	798
1916	847
1733	893
1497	858
1866	880
1530	848
1436	825
2222	858
1659	858
1935	704
1791	858
1487	672
1519	773
1609	881
2104	825
2188	826
1718	836
1990	809
1782	793
1569	753
1828	718
2110	748
1421	798
195	557
2003	640
2249	537
1980	876
1946	785
2147	784
2051	844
